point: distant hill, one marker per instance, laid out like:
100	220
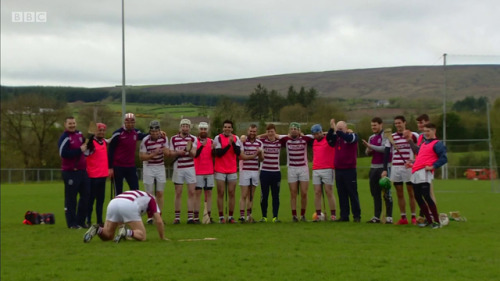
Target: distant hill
376	83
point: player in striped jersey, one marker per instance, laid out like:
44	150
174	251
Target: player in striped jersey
402	155
154	148
249	175
298	169
270	173
128	207
183	147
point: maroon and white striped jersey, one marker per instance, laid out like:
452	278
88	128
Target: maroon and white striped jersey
145	202
178	142
148	145
250	148
271	155
403	151
296	150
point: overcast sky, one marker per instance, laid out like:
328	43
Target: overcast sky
183	41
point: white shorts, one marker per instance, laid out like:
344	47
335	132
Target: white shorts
205	182
184	175
150	173
122	210
400	174
224	177
325	176
249	178
296	174
422	176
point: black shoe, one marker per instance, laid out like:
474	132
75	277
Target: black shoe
357	219
341	220
190	221
374	220
295	219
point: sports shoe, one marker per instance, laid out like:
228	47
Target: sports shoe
190	221
149	221
436	225
356	220
333	218
122	234
250	219
423	224
222	220
402	221
177	221
295	219
264	219
374	220
414	220
303	219
196	221
275	219
90	233
388	220
241	219
231	220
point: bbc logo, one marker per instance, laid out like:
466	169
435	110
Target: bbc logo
29	17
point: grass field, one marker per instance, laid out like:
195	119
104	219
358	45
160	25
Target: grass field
287	251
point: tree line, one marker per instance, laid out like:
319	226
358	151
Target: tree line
32	123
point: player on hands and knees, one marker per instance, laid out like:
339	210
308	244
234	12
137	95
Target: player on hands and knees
127	208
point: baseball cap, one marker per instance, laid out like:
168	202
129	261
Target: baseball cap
316	128
185	122
154	125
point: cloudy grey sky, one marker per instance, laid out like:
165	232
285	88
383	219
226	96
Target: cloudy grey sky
182	41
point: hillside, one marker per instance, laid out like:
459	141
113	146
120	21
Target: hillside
376	83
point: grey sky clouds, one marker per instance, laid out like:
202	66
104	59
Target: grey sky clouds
186	41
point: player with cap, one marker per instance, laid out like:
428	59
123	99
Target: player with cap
153	149
183	148
204	166
121	154
97	169
323	171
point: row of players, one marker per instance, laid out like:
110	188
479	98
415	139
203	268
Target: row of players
334	157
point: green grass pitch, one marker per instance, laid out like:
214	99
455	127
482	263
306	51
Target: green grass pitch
261	251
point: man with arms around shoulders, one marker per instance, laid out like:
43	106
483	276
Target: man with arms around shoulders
204	166
323	171
402	155
183	147
251	154
270	173
298	168
154	148
97	170
227	149
121	154
76	181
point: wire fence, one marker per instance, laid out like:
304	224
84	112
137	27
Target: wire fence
51	175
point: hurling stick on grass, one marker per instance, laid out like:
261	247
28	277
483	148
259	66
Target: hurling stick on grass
206	218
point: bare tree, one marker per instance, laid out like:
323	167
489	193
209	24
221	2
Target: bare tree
31	125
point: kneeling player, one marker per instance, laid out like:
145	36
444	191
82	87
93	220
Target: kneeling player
127	208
